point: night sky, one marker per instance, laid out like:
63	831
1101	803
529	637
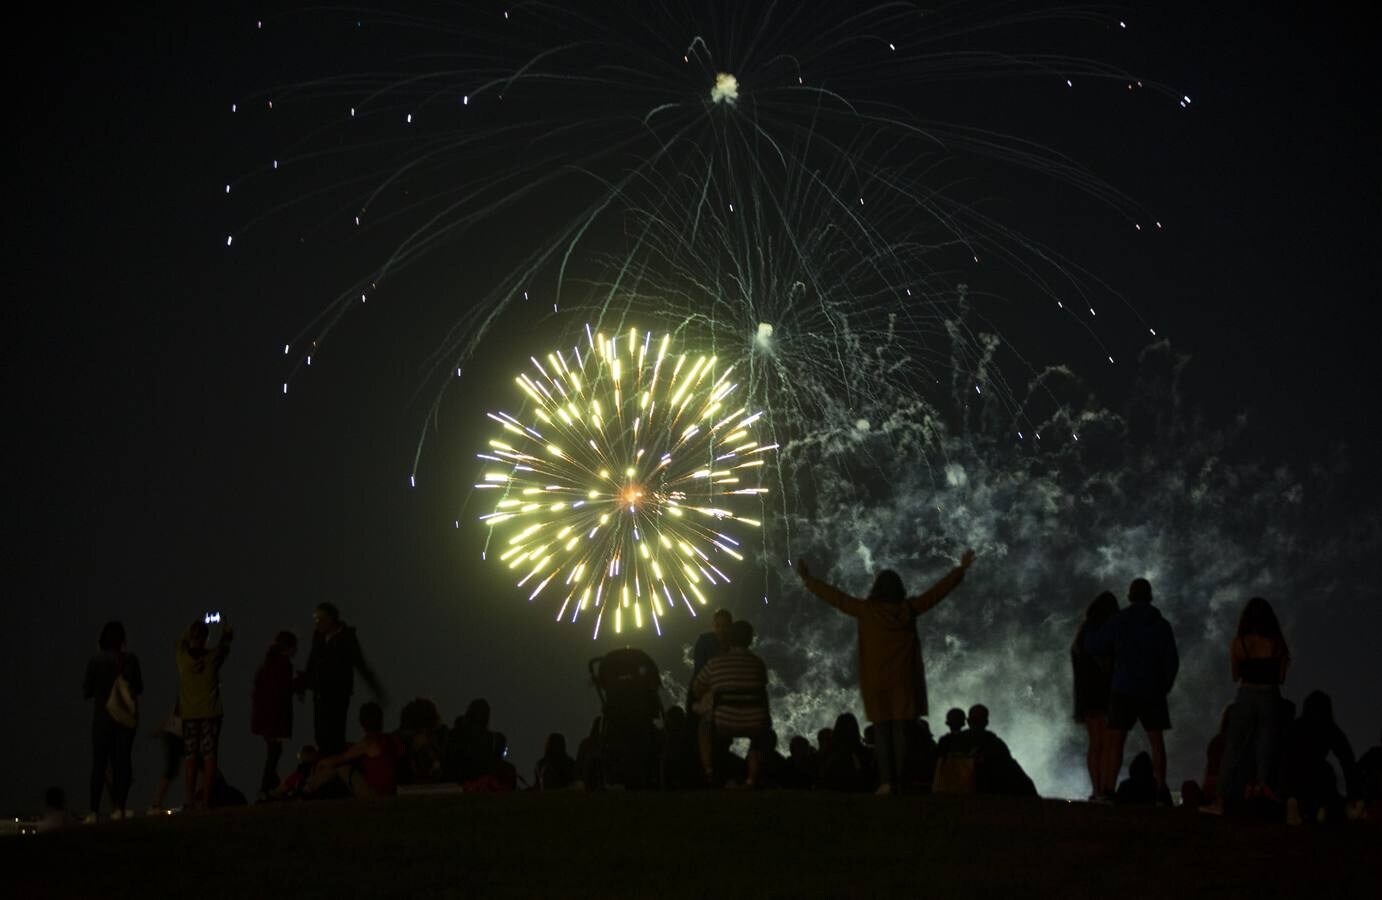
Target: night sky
157	471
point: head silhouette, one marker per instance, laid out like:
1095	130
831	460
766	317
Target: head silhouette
477	714
556	744
1101	609
419	714
720	623
846	732
1259	618
372	718
326	618
955	719
979	717
285	643
887	587
112	637
1317	710
1140	591
740	634
1140	769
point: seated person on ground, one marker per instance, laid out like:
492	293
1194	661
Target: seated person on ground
681	767
1370	783
802	764
996	772
1312	785
921	756
501	776
369	767
423	735
1140	787
848	766
556	770
470	745
732	698
954	723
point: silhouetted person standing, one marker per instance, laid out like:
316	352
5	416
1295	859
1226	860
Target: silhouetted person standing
199	701
1145	663
114	717
271	705
331	668
892	677
1093	680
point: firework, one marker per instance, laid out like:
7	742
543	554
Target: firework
623	490
575	121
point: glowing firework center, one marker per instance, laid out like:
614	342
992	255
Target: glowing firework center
623	489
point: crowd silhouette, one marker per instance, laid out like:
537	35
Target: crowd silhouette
1264	762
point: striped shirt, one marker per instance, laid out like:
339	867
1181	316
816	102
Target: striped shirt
737	670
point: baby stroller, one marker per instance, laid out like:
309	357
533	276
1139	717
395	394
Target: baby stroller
628	749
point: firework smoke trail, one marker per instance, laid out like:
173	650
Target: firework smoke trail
1148	491
624	479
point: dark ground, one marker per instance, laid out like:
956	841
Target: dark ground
719	844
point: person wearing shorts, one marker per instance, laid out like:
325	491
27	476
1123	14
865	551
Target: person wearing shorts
736	673
200	739
1145	662
199	699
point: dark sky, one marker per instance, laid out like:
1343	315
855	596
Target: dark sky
156	472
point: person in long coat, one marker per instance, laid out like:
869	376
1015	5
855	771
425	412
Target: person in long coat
892	676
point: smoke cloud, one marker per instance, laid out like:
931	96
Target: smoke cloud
1145	491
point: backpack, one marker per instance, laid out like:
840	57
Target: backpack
121	705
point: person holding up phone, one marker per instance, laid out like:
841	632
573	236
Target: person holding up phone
199	697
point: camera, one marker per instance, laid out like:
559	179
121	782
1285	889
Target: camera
212	617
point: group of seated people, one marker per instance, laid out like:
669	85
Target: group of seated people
422	751
685	750
1298	775
681	748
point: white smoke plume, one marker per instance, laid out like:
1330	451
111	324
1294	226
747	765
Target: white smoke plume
1148	491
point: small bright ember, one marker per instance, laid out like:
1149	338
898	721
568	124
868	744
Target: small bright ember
632	496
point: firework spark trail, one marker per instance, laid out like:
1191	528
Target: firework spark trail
623	485
602	108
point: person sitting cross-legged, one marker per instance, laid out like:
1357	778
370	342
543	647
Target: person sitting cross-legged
732	699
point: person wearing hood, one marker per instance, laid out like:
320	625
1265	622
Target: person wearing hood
331	666
892	677
1145	662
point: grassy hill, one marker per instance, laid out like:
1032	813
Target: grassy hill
709	844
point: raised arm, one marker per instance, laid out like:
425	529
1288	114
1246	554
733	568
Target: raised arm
938	591
223	645
850	606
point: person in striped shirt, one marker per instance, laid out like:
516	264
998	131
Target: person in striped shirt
732	698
